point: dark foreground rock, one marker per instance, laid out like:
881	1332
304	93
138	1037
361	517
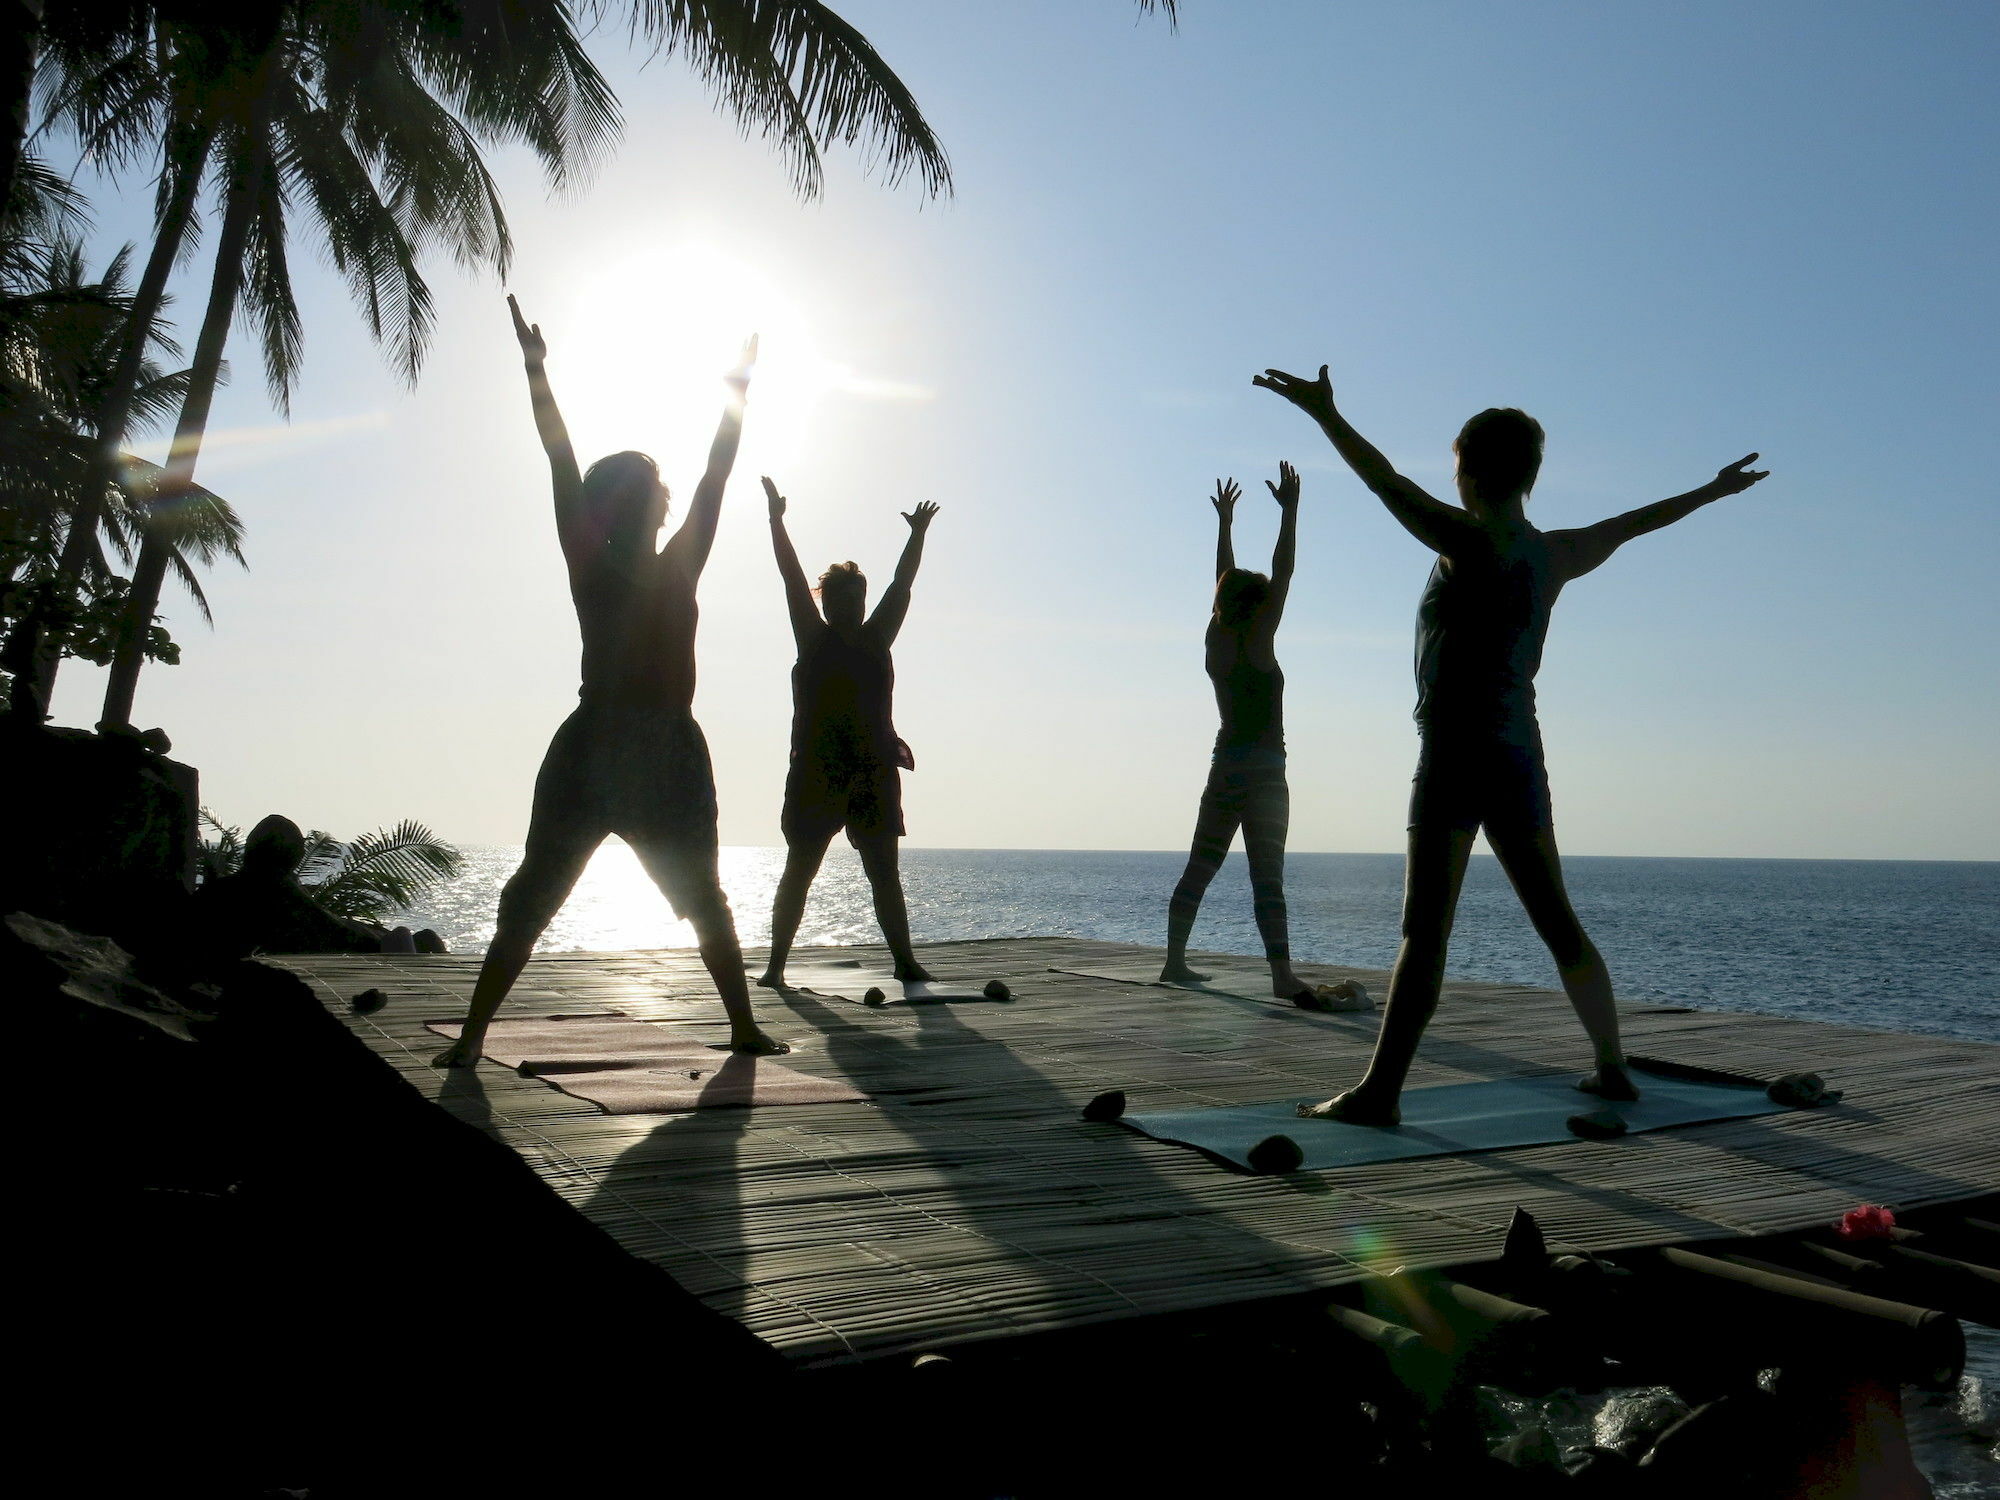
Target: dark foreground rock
96	831
257	1261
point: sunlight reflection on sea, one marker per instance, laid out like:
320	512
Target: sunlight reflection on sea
1898	945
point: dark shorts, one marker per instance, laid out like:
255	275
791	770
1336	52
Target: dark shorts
823	796
1243	782
1468	781
642	773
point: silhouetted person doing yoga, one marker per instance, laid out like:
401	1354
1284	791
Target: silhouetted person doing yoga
1246	778
630	760
1480	628
847	763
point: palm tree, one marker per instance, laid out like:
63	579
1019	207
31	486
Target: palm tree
363	115
369	112
373	110
19	46
60	331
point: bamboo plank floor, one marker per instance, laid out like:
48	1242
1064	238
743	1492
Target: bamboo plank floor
968	1200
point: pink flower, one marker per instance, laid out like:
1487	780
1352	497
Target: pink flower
1871	1221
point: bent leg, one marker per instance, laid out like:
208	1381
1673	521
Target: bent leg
1434	870
1532	863
1215	827
803	855
879	862
1267	818
556	854
685	871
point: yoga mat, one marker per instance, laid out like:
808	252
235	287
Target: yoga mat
1237	983
844	983
1450	1119
628	1067
607	1039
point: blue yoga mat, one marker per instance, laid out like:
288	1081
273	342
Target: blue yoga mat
1450	1119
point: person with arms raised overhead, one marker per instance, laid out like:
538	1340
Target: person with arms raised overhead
630	760
847	763
1480	629
1246	786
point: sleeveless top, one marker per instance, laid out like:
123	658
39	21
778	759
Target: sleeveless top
842	691
1250	697
637	617
1480	628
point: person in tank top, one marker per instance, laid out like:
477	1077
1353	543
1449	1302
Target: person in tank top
630	760
1480	629
1246	785
847	763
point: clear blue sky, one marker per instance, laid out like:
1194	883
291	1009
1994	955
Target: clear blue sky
1673	233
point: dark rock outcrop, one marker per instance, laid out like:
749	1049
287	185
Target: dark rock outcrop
262	908
257	1259
98	832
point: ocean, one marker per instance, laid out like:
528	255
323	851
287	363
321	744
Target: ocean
1897	945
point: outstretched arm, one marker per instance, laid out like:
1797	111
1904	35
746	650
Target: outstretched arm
798	593
1428	519
690	545
1286	493
563	472
1589	546
1224	500
888	616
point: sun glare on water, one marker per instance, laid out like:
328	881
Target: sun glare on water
639	358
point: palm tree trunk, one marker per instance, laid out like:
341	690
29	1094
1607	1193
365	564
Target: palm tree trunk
41	658
20	43
154	549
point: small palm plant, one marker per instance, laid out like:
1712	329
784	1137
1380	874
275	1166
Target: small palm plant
369	879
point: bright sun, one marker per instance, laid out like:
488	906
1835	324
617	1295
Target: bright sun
638	357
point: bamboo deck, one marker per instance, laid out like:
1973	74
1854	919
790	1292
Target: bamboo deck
969	1201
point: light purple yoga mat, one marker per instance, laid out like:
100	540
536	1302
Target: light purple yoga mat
628	1067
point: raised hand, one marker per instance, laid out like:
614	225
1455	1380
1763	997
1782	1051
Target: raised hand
1225	497
920	518
533	350
745	363
1735	478
1286	490
775	501
1314	397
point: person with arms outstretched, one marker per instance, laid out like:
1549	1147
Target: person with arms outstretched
1246	785
1480	629
630	760
847	763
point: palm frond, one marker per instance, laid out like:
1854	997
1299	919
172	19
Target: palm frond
179	567
321	857
379	873
513	70
223	854
43	204
795	73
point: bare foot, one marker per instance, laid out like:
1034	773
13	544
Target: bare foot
914	973
462	1053
753	1041
1288	986
772	981
1181	974
1354	1108
1610	1083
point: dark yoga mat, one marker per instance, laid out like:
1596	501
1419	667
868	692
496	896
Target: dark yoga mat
1450	1119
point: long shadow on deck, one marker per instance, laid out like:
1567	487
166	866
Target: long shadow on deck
964	1125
